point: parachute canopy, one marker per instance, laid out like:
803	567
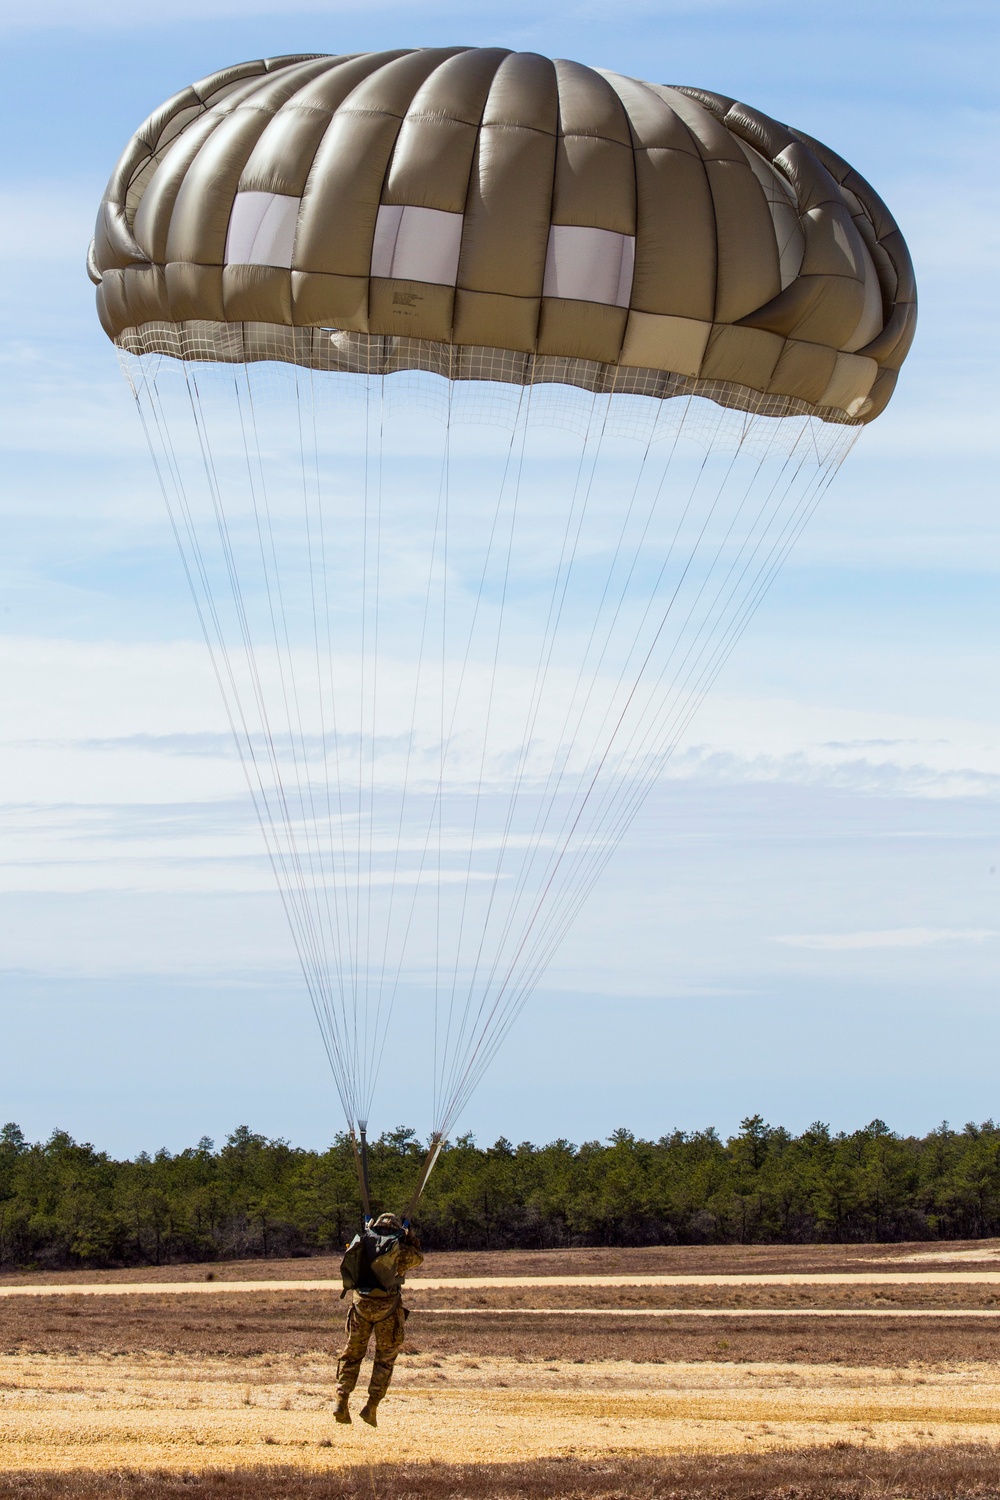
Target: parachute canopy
401	329
495	215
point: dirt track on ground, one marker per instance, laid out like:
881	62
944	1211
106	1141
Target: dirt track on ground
533	1284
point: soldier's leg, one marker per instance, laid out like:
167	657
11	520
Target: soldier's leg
359	1331
389	1335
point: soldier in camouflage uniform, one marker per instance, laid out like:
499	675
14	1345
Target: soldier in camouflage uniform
379	1312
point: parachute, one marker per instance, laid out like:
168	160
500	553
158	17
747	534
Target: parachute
487	394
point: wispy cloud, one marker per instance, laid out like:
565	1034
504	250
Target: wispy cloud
120	13
893	937
747	740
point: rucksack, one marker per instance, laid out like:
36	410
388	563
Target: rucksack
371	1262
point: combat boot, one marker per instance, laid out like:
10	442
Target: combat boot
341	1412
367	1412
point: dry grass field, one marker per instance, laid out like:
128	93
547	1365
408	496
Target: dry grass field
523	1391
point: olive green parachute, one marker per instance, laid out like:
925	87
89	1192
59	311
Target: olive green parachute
487	395
500	216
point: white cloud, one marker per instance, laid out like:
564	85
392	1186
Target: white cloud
22	14
759	739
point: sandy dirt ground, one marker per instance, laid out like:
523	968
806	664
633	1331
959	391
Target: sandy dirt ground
740	1357
154	1411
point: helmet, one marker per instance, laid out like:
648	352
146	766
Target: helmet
389	1224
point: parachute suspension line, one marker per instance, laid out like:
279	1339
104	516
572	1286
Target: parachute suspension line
547	799
491	691
568	895
429	1163
704	640
306	815
404	796
325	682
762	579
705	637
371	568
372	1023
550	791
434	814
304	923
425	637
439	793
547	803
569	734
570	887
484	1022
573	899
306	810
360	1149
303	926
784	543
778	552
203	601
524	404
516	427
364	667
317	562
570	538
308	929
442	750
640	793
181	518
366	1082
357	796
435	811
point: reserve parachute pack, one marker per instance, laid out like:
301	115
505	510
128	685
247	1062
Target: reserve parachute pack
371	1263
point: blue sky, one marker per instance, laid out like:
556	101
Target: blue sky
805	922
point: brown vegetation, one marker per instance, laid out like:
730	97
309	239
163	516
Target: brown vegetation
944	1296
839	1472
688	1260
234	1325
708	1260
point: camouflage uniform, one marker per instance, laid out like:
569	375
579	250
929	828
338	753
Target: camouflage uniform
384	1315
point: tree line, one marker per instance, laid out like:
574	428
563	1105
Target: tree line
63	1203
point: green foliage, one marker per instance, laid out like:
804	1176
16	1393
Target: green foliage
63	1203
